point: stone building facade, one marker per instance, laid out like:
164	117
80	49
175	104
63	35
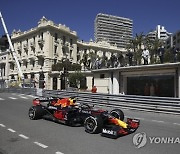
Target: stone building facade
39	48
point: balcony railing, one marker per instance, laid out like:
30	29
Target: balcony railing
40	53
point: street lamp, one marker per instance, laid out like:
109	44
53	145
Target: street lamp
65	71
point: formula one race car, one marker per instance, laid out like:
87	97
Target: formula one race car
67	111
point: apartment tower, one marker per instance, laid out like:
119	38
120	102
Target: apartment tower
114	29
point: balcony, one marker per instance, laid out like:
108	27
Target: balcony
40	54
32	45
56	55
19	48
23	56
11	71
25	46
11	59
41	42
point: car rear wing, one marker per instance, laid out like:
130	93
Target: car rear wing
38	101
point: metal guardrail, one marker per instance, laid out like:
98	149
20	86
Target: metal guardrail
134	102
142	103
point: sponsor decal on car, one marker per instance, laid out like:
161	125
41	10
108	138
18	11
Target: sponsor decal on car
107	131
52	107
88	112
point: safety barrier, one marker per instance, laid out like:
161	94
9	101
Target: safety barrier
134	102
142	103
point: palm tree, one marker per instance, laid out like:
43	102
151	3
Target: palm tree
153	46
136	46
140	40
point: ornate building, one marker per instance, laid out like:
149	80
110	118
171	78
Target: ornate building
39	48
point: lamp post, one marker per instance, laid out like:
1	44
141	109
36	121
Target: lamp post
65	71
41	79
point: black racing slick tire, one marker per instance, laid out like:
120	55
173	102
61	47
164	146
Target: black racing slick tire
117	113
93	124
36	112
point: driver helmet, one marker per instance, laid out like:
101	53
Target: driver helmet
72	100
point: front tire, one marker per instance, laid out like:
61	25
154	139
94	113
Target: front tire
117	113
93	124
36	112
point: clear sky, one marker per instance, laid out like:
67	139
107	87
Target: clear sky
79	15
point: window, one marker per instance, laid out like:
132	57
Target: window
32	75
41	61
64	51
55	49
71	42
25	76
78	57
32	62
56	36
19	63
70	53
42	35
25	63
4	71
163	84
77	50
64	40
102	76
55	61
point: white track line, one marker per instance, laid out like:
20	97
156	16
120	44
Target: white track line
41	145
59	152
23	136
12	98
23	97
158	121
176	124
138	118
1	99
32	96
2	125
11	130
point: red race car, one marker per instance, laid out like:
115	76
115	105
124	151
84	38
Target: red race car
67	111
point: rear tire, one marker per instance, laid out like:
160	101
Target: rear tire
36	112
93	124
117	113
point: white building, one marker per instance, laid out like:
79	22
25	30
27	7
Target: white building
132	80
174	40
160	32
39	48
114	29
4	68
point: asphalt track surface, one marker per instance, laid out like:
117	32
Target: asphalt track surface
20	135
